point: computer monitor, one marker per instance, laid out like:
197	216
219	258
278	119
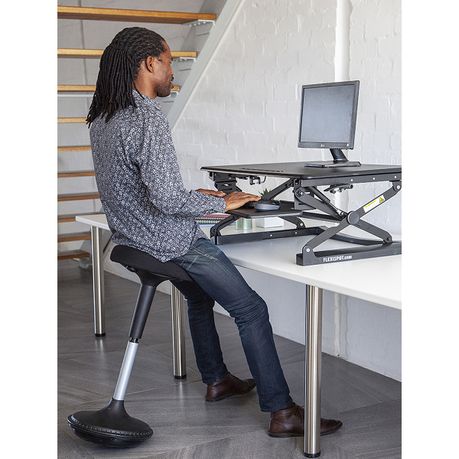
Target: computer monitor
327	120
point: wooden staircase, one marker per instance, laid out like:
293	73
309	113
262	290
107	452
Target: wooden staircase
102	14
79	88
69	218
68	174
69	237
78	196
71	119
126	15
74	148
78	53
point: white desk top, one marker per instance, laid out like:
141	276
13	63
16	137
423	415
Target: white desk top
377	280
97	220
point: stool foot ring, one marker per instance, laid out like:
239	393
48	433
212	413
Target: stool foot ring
111	426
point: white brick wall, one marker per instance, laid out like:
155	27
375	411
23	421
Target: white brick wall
375	61
248	102
246	110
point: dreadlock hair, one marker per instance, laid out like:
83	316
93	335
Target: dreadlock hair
119	66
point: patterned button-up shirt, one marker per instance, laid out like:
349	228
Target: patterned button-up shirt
141	189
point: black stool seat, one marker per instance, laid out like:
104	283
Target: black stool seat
137	260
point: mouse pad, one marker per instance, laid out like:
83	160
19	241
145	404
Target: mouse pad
286	208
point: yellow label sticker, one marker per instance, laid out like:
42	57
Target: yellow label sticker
375	203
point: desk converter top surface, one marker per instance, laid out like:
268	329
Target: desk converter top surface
377	280
298	169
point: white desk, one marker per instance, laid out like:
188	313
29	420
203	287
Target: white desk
377	280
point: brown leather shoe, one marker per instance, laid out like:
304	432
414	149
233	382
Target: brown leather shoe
289	422
227	387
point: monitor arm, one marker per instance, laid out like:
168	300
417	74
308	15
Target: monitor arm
338	155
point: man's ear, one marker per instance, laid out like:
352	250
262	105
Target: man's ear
149	64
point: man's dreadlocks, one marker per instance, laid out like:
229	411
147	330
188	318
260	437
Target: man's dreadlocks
118	69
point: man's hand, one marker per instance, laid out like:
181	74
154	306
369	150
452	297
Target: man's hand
233	200
238	199
218	194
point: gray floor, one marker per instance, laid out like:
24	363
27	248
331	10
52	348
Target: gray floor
184	425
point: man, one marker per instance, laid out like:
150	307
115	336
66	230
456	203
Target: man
148	208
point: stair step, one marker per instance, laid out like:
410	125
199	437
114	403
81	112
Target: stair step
71	254
68	218
76	88
97	53
90	88
71	119
78	196
74	148
117	14
70	237
69	174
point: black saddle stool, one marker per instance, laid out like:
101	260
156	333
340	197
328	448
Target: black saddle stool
112	425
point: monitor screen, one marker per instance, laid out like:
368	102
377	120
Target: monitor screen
328	115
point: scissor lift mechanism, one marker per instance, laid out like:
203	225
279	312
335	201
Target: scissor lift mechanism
307	199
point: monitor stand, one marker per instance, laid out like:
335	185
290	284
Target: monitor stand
339	160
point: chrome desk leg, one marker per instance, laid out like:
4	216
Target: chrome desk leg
312	369
97	282
178	333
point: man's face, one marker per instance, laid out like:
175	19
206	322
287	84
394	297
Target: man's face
163	73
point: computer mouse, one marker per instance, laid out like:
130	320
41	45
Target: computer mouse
267	205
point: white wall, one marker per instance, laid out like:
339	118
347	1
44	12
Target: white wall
375	52
246	109
375	60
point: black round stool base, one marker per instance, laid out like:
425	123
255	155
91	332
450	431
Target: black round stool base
180	377
110	426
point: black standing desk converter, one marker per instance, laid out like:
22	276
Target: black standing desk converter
310	202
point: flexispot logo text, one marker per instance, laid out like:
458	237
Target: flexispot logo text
337	258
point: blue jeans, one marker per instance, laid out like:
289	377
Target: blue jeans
216	279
